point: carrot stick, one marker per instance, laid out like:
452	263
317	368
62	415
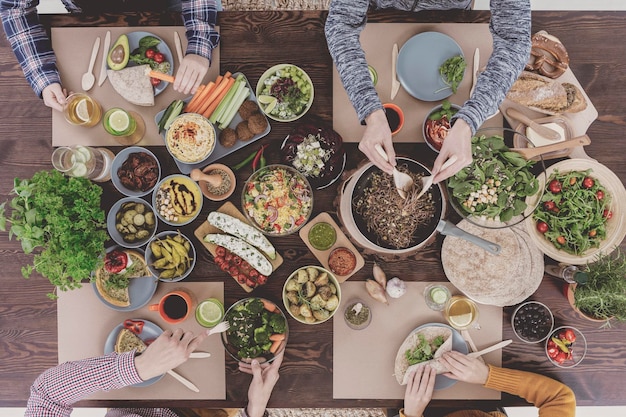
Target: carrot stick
275	345
277	336
161	76
269	306
194	99
205	92
219	86
213	105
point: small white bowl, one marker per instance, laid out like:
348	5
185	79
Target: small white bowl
261	85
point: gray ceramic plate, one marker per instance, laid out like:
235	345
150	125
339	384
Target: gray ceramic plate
419	61
111	221
119	159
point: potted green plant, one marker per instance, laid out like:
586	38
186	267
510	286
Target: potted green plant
603	296
59	219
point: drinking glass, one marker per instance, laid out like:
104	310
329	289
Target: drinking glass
83	161
461	313
82	110
127	127
436	296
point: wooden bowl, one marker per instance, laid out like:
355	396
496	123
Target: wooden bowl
218	197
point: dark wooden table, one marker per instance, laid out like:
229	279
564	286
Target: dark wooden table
251	42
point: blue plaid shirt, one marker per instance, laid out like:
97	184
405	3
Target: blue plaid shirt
33	49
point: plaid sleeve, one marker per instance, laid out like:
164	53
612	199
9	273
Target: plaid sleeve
200	17
30	43
53	392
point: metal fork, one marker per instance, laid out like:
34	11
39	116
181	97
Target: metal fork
221	327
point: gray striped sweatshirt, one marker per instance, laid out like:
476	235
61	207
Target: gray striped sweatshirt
510	27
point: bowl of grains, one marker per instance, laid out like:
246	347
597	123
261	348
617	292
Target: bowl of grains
216	190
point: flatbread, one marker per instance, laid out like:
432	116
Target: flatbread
133	84
127	341
486	278
120	297
402	369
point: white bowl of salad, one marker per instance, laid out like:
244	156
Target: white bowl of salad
285	92
277	200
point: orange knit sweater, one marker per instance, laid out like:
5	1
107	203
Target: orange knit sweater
553	398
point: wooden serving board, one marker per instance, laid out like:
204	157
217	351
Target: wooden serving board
206	228
341	242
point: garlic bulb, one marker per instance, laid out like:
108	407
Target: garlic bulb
396	288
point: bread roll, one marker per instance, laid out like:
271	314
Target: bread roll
546	95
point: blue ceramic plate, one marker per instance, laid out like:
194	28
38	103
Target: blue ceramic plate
419	61
150	332
458	344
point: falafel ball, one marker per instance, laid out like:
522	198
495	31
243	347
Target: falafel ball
247	109
257	123
228	137
243	132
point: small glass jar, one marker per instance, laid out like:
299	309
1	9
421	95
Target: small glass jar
436	296
357	314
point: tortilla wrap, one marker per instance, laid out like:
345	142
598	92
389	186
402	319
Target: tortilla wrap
402	367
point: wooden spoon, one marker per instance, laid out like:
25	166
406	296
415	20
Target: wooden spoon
530	153
404	182
499	345
214	179
544	131
89	79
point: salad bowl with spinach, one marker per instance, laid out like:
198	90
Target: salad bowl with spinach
258	330
493	190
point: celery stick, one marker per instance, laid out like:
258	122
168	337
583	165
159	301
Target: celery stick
224	103
240	86
232	111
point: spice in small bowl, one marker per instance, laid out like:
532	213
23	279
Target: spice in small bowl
357	315
222	190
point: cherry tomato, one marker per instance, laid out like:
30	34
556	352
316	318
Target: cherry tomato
241	279
237	260
561	240
253	273
115	261
607	214
549	205
551	344
588	182
233	270
228	257
150	53
552	352
245	267
542	227
555	186
154	81
592	233
560	357
224	267
261	279
159	57
218	259
220	251
250	283
570	335
599	194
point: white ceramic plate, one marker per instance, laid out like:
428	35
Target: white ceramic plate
419	61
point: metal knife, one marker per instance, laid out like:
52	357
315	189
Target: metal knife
395	84
179	47
103	70
475	70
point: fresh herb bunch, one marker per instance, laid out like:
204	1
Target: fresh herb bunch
424	351
603	296
452	71
60	218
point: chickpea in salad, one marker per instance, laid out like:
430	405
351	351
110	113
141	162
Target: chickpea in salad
278	200
286	93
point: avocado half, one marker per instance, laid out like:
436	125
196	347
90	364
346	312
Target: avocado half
119	53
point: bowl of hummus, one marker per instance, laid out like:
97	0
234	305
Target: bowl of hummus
190	139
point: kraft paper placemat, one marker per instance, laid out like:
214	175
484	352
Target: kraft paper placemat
72	46
377	40
363	360
84	323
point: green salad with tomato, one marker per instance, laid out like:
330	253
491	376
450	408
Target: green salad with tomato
573	211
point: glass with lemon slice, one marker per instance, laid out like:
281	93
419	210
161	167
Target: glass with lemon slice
209	312
461	312
82	110
126	127
83	161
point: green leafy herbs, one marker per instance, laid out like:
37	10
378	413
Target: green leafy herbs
495	185
446	110
424	351
452	71
575	208
604	294
60	219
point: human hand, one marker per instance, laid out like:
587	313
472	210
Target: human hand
167	351
419	391
264	377
377	132
458	143
54	96
190	73
464	368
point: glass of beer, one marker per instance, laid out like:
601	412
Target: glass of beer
126	127
82	110
461	313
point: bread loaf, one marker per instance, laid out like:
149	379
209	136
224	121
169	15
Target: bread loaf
546	95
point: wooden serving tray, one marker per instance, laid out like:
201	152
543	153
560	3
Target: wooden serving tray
342	242
206	228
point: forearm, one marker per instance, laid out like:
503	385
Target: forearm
200	18
510	27
346	19
29	42
553	398
54	391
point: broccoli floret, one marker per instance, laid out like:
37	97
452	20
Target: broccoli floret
261	335
278	323
255	306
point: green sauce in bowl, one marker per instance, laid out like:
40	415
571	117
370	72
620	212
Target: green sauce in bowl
322	236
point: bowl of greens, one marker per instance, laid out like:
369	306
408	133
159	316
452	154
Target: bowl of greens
494	190
258	330
285	92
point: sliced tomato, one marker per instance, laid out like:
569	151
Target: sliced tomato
570	335
115	261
